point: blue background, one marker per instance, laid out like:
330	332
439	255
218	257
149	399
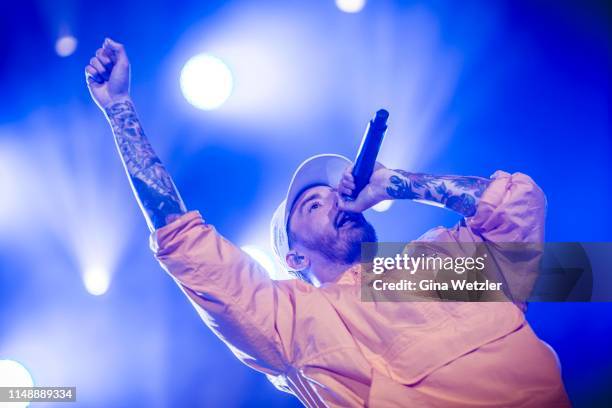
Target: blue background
472	87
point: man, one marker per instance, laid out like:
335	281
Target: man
313	336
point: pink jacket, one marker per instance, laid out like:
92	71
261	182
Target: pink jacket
328	348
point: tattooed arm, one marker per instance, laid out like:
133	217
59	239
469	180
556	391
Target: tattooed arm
108	75
159	199
458	193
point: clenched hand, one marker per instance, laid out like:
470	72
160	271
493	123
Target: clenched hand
108	74
373	193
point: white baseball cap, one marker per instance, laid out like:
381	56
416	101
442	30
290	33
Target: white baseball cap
322	169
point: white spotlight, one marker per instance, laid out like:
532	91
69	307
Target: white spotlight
350	6
206	82
13	374
263	258
383	206
96	280
65	45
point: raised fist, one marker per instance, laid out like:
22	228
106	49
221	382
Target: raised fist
108	74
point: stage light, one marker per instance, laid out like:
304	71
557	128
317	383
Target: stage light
15	199
65	203
206	82
350	6
383	206
65	45
263	258
96	280
13	374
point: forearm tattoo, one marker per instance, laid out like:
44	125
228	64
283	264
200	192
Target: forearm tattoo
458	193
152	185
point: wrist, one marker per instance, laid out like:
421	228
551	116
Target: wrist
115	100
383	182
116	106
399	185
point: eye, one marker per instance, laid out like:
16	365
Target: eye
314	206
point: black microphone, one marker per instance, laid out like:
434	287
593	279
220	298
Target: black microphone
366	156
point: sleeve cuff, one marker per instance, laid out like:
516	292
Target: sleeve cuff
513	205
494	194
159	239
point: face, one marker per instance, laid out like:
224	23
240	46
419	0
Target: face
317	223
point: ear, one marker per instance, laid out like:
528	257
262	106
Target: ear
297	261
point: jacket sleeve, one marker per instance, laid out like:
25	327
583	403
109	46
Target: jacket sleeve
510	217
511	209
509	225
247	310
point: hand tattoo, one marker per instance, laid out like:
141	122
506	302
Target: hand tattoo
152	185
458	193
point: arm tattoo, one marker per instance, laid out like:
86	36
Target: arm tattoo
457	193
152	185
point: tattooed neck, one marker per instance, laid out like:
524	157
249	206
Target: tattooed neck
458	193
152	185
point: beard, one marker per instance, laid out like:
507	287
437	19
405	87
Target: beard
345	246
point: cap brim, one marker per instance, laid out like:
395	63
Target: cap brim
323	169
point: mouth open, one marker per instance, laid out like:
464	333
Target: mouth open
345	218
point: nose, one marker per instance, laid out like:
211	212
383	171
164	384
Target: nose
334	208
337	199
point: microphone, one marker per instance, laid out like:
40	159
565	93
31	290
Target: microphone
366	156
